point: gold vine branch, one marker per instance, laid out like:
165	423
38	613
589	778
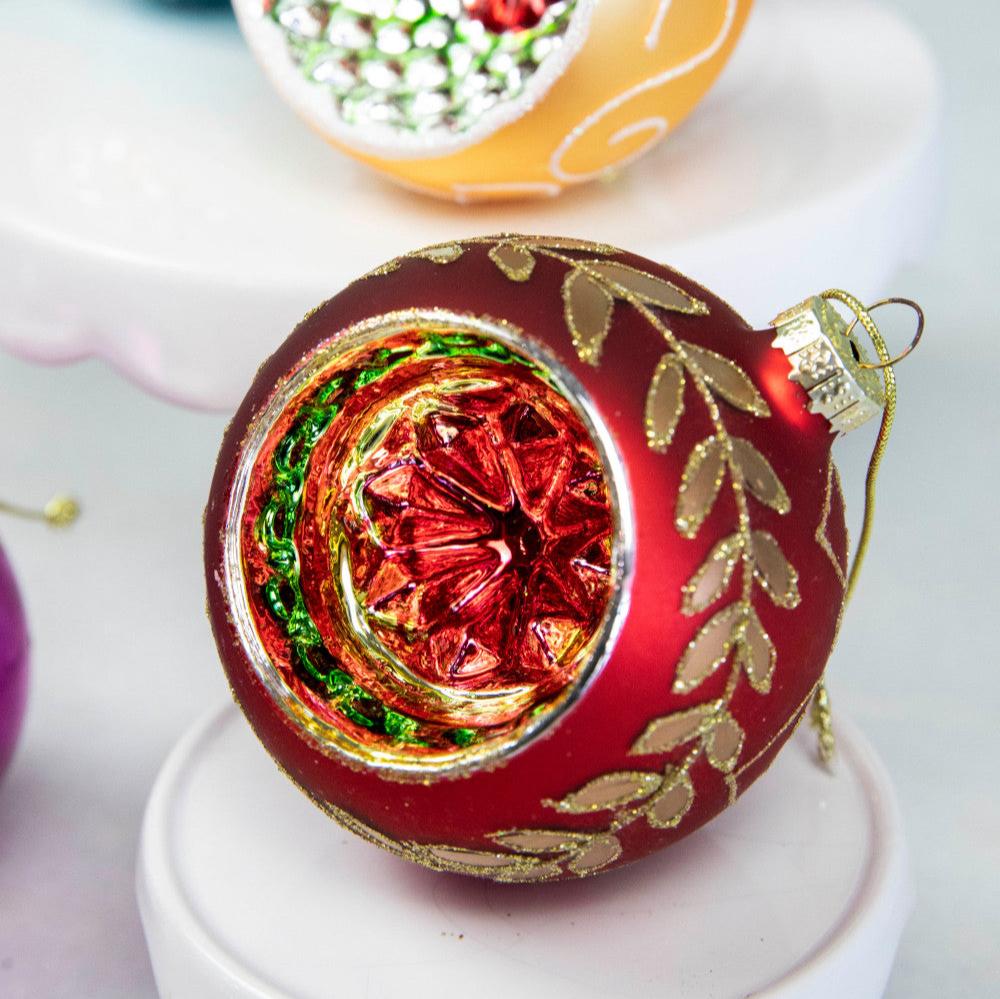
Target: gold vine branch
734	633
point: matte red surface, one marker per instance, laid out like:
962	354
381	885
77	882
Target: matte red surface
635	685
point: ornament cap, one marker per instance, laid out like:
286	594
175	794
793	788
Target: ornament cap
831	367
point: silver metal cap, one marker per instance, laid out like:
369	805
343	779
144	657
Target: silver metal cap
828	365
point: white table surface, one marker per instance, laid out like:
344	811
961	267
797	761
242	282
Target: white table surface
123	656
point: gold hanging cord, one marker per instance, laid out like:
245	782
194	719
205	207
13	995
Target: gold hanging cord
886	364
820	715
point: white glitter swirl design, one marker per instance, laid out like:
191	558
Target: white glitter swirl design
657	126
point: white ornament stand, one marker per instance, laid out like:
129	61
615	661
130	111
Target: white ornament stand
247	890
161	208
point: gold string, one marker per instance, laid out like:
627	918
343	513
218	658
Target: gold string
863	316
821	719
60	511
820	713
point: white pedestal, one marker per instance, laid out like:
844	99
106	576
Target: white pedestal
247	890
161	208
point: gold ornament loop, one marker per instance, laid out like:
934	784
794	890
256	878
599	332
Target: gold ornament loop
864	317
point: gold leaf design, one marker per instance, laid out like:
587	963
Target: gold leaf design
536	872
756	654
516	261
601	851
700	485
774	572
566	243
728	380
445	253
670	731
759	477
629	282
665	402
588	307
712	577
469	858
387	268
672	801
709	649
481	863
723	743
609	791
540	841
822	538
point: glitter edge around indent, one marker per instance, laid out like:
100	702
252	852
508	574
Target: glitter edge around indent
331	741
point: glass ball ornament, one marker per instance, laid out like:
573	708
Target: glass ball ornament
525	555
491	99
13	662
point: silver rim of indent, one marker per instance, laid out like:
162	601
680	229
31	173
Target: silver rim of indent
331	740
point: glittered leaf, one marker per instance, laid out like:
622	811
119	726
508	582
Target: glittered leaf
670	731
444	254
759	477
709	649
517	262
536	872
498	866
601	851
712	577
609	791
629	282
756	654
539	841
774	572
387	268
671	802
700	485
457	856
723	744
588	308
566	243
664	403
822	530
728	380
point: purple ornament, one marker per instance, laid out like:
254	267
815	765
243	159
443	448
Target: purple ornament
13	662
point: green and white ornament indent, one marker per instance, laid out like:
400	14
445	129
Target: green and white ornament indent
408	77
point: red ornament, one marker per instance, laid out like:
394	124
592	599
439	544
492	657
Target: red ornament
507	15
542	515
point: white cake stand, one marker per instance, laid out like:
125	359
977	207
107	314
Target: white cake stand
247	890
160	208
